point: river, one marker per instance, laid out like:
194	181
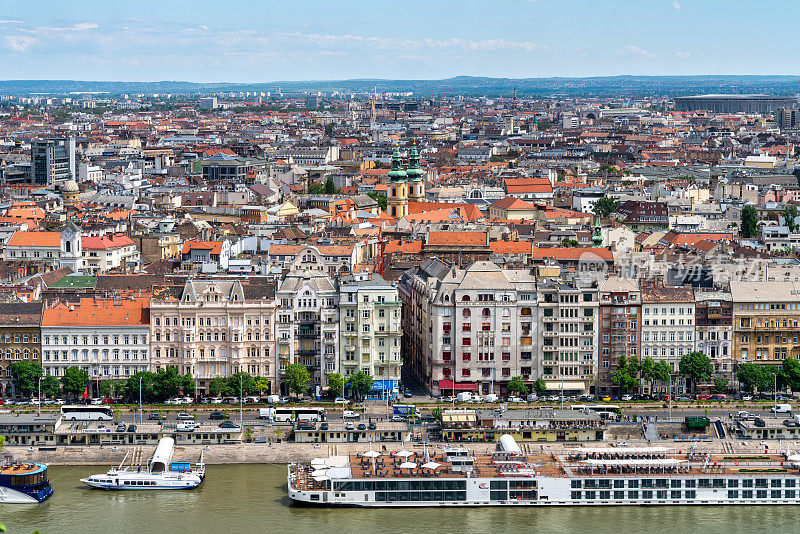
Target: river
252	498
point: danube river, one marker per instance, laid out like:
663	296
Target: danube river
252	498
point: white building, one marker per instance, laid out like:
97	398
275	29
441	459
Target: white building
112	251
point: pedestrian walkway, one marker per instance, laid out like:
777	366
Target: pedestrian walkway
651	432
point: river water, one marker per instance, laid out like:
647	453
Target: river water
252	498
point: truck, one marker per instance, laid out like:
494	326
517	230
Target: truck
781	408
404	410
464	396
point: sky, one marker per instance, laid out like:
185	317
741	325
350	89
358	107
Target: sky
263	41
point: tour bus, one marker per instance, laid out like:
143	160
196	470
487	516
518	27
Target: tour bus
404	410
608	412
86	413
286	415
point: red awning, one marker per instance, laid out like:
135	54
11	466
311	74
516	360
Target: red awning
445	385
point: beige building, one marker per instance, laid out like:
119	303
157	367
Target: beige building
766	321
214	328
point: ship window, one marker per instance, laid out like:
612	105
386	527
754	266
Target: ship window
661	494
633	494
689	484
619	483
776	483
761	482
661	483
789	494
590	494
575	495
747	483
619	495
647	483
789	483
733	483
761	494
719	483
647	494
633	483
704	483
675	494
575	484
747	494
691	494
605	494
675	483
775	494
733	494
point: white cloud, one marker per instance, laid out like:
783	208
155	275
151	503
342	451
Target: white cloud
637	51
81	26
20	43
10	22
677	6
683	54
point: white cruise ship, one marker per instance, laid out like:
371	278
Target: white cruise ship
161	473
607	476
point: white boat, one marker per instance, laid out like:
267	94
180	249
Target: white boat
22	483
161	473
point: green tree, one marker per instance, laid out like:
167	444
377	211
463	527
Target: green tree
131	387
544	125
360	383
335	384
109	388
316	189
437	413
219	386
720	384
26	376
187	384
789	374
51	387
749	375
262	385
75	380
661	371
749	222
517	386
329	130
330	187
567	242
297	378
789	215
248	383
626	375
539	386
604	206
380	199
696	367
167	383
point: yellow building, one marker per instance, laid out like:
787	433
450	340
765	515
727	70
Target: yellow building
766	321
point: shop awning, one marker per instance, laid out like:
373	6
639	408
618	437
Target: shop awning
383	385
447	385
555	385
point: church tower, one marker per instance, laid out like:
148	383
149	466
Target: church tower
415	174
397	188
71	252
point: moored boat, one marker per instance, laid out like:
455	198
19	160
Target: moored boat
23	483
161	473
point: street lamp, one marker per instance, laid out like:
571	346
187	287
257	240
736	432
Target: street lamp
241	401
40	395
140	400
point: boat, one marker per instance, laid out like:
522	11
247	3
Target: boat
582	476
23	483
160	473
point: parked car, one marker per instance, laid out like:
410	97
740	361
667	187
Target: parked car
183	416
341	400
747	397
323	426
515	399
349	414
362	426
216	400
407	394
155	416
97	401
626	398
349	426
186	426
131	428
121	426
218	415
398	419
759	422
229	424
372	426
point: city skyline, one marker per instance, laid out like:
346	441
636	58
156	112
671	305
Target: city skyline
318	41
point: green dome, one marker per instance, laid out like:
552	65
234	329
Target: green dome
414	171
397	174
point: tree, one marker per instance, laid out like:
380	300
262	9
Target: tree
567	242
75	380
26	376
517	386
330	187
749	222
108	388
335	384
789	215
329	130
696	367
789	374
262	384
604	206
749	375
539	386
380	199
626	375
51	387
316	189
297	378
543	125
187	384
720	384
360	383
661	371
248	383
166	383
219	386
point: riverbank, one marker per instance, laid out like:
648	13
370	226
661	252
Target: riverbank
282	453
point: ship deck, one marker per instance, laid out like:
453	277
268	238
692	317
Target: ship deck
21	469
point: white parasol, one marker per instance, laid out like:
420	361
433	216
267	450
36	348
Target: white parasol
431	465
408	465
404	453
371	454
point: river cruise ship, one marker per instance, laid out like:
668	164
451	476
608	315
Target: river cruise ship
609	476
160	473
23	483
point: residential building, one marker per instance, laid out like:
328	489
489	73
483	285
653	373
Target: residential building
62	249
620	327
469	329
766	321
307	327
112	251
214	328
642	216
668	326
370	330
713	317
107	338
20	328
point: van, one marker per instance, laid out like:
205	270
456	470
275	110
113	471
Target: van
186	426
273	399
781	408
532	397
491	397
266	413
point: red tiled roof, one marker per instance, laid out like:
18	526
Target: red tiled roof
106	242
465	238
214	246
35	239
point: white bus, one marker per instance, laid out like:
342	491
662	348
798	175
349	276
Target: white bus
607	412
80	412
286	415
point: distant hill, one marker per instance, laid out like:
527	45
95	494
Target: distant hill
460	85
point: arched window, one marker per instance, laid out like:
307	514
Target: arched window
486	312
68	246
466	312
446	298
465	298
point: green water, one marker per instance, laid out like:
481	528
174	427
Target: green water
252	498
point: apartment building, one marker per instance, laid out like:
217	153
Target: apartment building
469	329
569	314
370	330
107	338
113	251
307	328
668	326
620	327
766	321
713	317
20	328
214	328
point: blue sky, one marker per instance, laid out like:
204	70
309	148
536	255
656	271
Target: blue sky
244	41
